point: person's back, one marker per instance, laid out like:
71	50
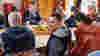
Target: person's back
88	39
18	39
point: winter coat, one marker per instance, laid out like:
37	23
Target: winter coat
18	37
59	42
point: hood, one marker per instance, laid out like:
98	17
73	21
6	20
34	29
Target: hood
63	32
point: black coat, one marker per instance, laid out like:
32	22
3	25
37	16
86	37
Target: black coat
3	21
19	37
58	43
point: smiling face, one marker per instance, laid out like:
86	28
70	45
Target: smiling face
92	13
54	23
51	23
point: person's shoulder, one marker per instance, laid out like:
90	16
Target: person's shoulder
62	31
12	14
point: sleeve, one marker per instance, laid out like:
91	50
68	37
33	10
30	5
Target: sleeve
52	47
80	44
55	47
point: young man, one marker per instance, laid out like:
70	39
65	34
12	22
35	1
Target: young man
57	44
88	38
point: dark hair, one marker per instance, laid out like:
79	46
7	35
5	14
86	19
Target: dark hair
58	16
85	18
13	8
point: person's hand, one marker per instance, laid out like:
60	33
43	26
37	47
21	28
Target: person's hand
1	51
28	53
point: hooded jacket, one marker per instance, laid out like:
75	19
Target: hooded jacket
58	42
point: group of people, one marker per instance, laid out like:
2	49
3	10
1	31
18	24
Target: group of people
20	41
86	35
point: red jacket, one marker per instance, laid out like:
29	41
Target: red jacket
88	39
